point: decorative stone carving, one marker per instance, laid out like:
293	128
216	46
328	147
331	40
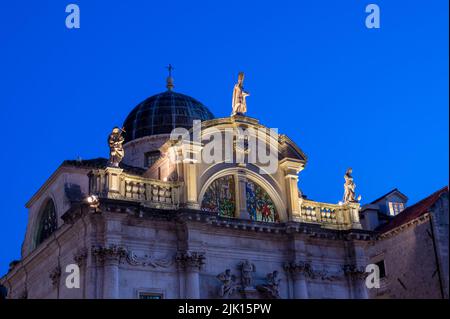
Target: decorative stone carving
307	270
271	288
80	257
299	267
325	274
111	253
55	276
247	270
190	260
147	260
116	152
354	271
228	286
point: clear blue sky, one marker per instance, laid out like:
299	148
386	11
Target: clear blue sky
375	100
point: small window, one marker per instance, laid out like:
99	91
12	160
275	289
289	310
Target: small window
382	268
395	208
147	295
151	158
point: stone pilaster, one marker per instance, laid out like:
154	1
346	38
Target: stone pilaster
357	278
191	158
109	258
354	215
291	168
299	272
113	182
190	263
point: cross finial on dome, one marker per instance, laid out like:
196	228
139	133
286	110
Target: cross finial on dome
169	80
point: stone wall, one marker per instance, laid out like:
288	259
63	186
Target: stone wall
128	253
410	262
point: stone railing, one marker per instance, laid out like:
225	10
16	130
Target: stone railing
114	183
336	216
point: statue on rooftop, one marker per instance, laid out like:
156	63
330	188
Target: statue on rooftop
349	187
239	104
116	152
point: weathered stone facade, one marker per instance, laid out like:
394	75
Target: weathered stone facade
142	229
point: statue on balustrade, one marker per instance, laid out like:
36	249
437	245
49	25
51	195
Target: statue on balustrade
349	188
116	152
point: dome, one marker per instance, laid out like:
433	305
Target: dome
161	113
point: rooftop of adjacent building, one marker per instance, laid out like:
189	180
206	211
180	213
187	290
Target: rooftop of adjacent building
412	212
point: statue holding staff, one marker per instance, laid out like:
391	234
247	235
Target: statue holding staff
239	104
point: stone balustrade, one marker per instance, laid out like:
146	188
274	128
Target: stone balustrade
329	215
114	183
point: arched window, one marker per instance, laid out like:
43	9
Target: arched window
260	206
47	222
220	197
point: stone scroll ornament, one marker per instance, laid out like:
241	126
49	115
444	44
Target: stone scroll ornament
147	260
116	152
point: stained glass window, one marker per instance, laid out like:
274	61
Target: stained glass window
47	223
220	197
260	206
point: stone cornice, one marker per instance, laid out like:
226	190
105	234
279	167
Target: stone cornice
313	230
417	221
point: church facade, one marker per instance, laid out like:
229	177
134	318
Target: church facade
171	214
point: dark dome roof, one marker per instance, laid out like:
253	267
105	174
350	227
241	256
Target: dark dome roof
161	113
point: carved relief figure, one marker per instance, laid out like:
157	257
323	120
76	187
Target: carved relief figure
247	268
239	104
271	288
228	283
116	152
